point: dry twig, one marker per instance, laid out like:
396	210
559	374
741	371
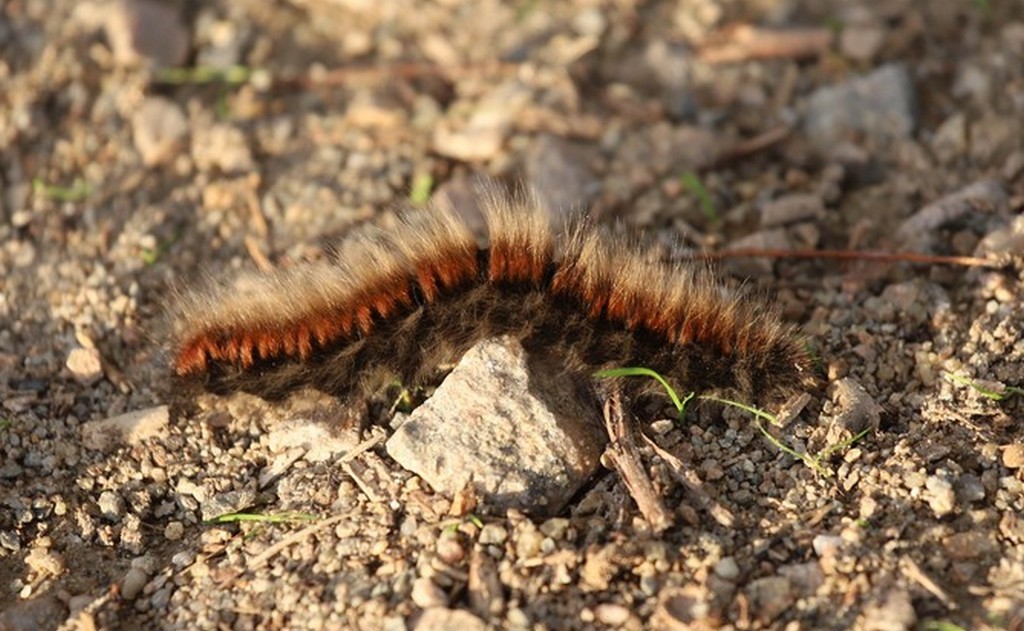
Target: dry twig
622	453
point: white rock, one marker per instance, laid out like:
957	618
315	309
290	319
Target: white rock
523	441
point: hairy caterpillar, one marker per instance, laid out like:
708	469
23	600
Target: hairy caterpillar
400	303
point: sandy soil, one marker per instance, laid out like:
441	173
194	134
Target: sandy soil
887	126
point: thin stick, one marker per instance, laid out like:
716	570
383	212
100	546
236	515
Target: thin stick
847	255
694	486
623	454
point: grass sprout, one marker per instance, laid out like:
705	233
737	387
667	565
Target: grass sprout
680	404
231	75
273	518
78	191
693	184
422	187
813	462
1007	392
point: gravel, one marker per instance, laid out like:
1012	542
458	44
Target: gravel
120	184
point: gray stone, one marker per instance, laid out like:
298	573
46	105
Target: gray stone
555	173
131	428
727	569
855	410
146	31
134	580
895	613
770	239
44	612
483	134
770	596
879	105
522	439
158	130
792	208
969	488
228	502
983	196
862	41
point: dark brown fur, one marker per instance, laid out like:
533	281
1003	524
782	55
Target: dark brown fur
400	304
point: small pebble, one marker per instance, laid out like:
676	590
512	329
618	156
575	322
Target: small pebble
174	531
450	550
426	593
611	614
111	505
133	582
492	534
85	366
1013	456
940	496
555	527
826	545
727	569
45	562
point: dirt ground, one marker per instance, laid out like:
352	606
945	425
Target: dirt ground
890	126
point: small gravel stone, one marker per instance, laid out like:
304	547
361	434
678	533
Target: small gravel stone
982	196
528	543
492	534
861	42
895	613
483	135
805	578
879	104
613	615
727	569
555	172
111	505
443	619
221	147
426	593
940	495
450	550
770	239
826	545
132	428
45	562
85	365
158	129
9	541
791	209
134	580
174	531
969	488
856	410
145	31
1013	456
682	609
770	596
228	502
969	545
43	612
555	527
